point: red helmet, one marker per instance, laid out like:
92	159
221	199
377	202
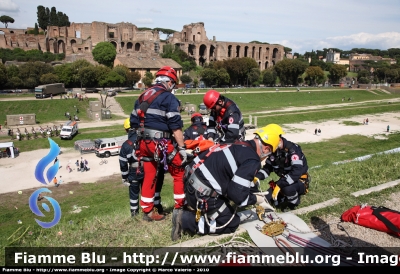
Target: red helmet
167	71
211	98
194	115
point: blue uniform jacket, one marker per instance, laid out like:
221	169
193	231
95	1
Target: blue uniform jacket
163	113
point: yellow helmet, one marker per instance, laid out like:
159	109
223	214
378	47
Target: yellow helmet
276	128
127	123
268	136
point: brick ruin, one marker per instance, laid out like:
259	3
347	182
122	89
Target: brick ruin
78	40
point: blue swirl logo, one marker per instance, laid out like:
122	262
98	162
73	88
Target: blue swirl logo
40	173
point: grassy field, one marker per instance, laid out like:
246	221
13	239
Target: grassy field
98	214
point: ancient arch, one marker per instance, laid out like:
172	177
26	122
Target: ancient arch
114	44
229	51
192	50
202	54
137	47
266	52
266	65
129	46
212	56
237	51
259	53
73	44
275	53
61	47
246	49
52	45
253	52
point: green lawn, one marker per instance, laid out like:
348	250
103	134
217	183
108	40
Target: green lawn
105	221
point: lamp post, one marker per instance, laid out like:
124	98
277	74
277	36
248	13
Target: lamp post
80	78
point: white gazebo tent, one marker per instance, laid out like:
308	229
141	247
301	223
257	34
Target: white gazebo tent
9	145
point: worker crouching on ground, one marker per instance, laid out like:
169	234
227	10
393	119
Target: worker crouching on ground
221	174
290	164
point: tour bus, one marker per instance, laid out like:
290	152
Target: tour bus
45	91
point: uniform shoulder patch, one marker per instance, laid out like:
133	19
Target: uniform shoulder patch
231	120
295	157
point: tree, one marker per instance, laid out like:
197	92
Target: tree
337	72
269	77
15	82
36	29
254	76
43	17
46	17
148	79
222	77
186	79
3	75
289	70
49	78
5	19
53	19
104	53
65	74
209	76
195	82
132	77
314	75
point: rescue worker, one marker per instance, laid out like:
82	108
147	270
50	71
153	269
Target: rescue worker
132	174
157	117
225	118
290	164
197	130
221	174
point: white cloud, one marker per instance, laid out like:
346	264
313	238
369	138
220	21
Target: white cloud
8	6
145	21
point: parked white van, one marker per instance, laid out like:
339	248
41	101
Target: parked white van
105	147
69	130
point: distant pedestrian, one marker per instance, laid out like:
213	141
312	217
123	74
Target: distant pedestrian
315	132
366	121
51	95
319	131
82	166
55	181
387	128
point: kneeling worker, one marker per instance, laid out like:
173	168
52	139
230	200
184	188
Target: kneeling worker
290	164
221	174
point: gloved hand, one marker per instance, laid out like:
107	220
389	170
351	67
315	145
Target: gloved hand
182	152
263	203
276	192
125	182
256	181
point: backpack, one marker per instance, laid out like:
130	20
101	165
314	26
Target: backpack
379	218
145	100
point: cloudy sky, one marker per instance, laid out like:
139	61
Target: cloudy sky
302	25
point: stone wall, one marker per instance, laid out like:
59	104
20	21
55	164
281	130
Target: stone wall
80	38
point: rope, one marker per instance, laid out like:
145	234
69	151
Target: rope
227	223
333	240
